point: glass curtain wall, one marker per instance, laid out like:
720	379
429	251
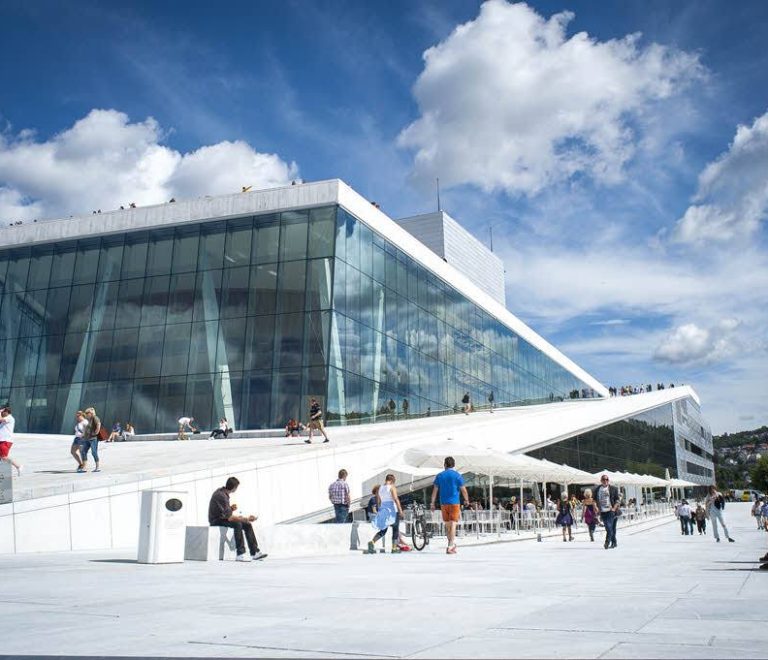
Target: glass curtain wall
404	342
644	444
222	319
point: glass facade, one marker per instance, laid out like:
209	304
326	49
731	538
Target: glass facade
644	444
399	333
247	318
673	436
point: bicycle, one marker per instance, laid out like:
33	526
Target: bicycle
420	528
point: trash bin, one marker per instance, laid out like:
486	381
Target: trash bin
162	528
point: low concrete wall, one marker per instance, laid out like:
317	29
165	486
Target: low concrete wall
309	540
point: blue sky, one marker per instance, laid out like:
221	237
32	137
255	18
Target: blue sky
620	151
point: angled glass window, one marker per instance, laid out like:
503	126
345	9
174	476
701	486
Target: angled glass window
86	261
291	283
211	255
155	300
293	235
181	298
262	293
159	252
135	255
176	349
40	268
111	258
265	248
237	248
322	223
186	245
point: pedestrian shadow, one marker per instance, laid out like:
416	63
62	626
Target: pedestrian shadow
54	472
720	570
114	561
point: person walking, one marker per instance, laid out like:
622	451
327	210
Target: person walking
448	485
389	512
7	427
491	401
338	493
590	513
222	514
91	438
714	505
564	516
684	516
78	442
405	407
315	421
465	400
608	501
701	518
392	408
757	509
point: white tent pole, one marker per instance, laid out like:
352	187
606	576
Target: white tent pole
544	502
520	508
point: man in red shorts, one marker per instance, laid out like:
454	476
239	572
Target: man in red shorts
7	423
449	483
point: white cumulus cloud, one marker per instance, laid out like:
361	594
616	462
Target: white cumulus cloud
691	343
510	102
105	160
732	198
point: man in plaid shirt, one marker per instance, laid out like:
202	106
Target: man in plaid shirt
338	493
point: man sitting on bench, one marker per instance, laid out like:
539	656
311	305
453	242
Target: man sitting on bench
222	514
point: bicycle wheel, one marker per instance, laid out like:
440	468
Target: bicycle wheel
419	534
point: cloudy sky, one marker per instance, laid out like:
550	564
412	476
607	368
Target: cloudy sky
618	150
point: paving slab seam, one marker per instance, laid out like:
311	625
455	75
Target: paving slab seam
287	648
443	642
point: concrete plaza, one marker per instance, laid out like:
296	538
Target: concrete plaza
659	594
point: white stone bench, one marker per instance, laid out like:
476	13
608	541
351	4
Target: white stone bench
208	543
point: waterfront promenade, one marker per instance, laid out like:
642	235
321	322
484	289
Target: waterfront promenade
658	595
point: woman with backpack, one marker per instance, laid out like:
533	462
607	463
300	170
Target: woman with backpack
590	514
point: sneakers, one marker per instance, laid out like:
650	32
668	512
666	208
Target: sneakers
730	540
97	469
450	550
718	540
371	548
243	557
309	442
404	548
396	550
258	555
80	469
764	557
326	440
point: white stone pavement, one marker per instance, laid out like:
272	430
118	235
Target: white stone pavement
658	595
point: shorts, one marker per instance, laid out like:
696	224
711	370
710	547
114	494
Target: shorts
316	424
451	512
5	449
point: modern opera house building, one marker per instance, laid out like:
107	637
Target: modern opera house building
244	306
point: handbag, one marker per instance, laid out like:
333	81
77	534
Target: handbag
619	512
102	434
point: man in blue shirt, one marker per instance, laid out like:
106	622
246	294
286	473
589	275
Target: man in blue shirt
449	483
